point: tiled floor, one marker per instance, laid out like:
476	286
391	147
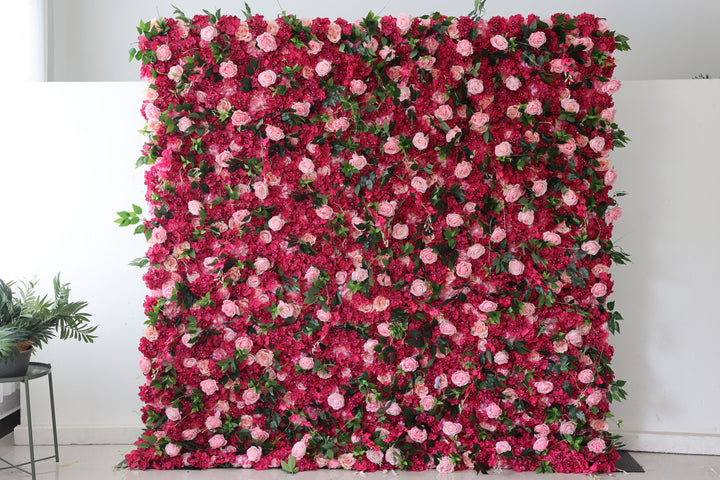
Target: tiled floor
95	462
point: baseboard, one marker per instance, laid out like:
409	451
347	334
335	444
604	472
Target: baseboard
671	442
80	434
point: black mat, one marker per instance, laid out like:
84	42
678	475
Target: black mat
626	463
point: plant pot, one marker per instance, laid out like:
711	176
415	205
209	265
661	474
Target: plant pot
17	365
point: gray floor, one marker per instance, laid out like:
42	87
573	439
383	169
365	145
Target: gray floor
95	462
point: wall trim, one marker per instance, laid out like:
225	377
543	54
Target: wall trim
671	442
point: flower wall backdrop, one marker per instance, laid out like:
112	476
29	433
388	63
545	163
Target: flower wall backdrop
381	244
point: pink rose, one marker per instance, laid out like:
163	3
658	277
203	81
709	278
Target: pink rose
611	87
239	118
537	39
393	455
145	365
513	193
298	450
400	231
526	217
540	444
502	447
306	165
445	465
488	306
336	401
184	123
586	376
501	357
250	396
503	149
427	403
261	265
159	235
208	33
574	337
163	53
325	212
374	456
570	105
212	422
444	113
475	251
323	67
454	220
276	223
460	378
254	453
596	445
608	114
244	343
334	32
610	177
228	69
552	237
597	144
173	414
590	247
463	269
463	169
599	290
513	83
539	188
417	435
284	309
478	120
189	434
447	328
475	86
409	364
230	309
403	22
464	48
594	398
418	287
274	133
392	146
217	441
172	449
347	460
613	214
451	428
324	316
499	42
359	275
420	141
428	256
266	42
419	184
265	357
358	87
209	386
493	411
544	387
567	428
394	409
386	209
358	161
175	73
516	267
570	197
534	107
267	78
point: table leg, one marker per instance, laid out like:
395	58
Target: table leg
30	432
52	412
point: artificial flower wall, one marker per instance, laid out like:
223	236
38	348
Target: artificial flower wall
382	244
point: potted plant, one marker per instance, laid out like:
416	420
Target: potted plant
29	321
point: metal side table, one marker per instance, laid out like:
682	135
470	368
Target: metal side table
35	370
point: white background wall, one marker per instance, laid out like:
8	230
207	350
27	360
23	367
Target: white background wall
67	166
670	39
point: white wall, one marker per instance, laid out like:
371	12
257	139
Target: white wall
66	171
669	39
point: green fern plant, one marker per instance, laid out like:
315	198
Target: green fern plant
29	317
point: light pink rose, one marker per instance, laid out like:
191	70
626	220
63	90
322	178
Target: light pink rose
264	357
284	309
323	67
574	337
409	364
394	409
324	316
172	449
478	120
567	428
594	398
610	177
513	83
501	357
608	114
386	209
173	414
325	212
267	78
451	428
475	251
189	434
428	256
526	217
334	32
250	396
453	134
358	161
261	265
418	288
537	39
488	306
599	290
420	141
590	247
544	387
306	165
463	269
209	386
212	422
175	73
400	231
276	223
239	118
184	123
502	447
539	188
403	22
419	184
266	42
447	328
493	411
499	42
359	275
597	144
475	86
298	450
454	220
163	53
393	455
358	87
444	113
145	365
586	376
503	149
274	133
392	146
228	69
552	237
570	197
254	453
596	445
534	107
613	214
445	465
540	444
611	87
230	309
463	169
374	456
336	401
570	105
159	235
427	403
464	48
243	343
208	33
417	435
460	378
347	460
516	267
